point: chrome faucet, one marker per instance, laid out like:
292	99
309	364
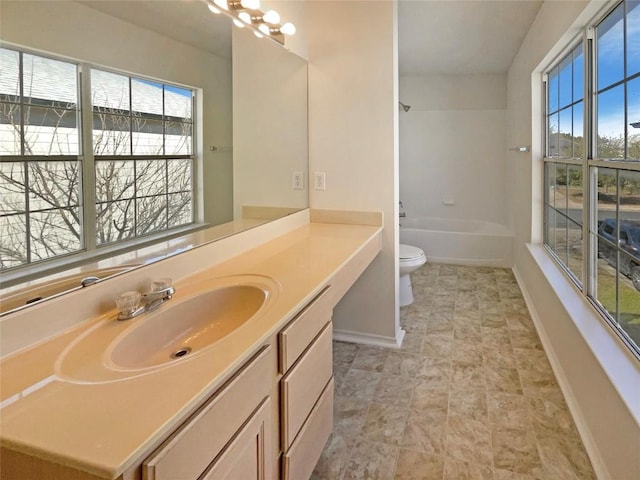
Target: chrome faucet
402	214
133	304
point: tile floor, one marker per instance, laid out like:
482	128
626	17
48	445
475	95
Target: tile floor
470	395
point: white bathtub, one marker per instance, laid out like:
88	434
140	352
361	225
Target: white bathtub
462	242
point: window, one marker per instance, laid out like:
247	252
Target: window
142	143
40	171
138	170
592	165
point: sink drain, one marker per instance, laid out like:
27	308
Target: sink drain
181	352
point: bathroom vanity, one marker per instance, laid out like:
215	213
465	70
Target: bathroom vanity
254	403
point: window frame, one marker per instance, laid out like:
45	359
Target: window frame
86	160
591	163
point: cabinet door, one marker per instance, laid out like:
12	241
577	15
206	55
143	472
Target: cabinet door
188	451
248	456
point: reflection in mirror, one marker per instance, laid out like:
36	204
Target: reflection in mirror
162	161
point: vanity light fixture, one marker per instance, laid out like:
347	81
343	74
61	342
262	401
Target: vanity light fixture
272	17
250	4
247	13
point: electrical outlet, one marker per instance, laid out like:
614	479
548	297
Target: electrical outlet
319	180
298	181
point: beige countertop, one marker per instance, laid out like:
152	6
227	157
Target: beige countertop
104	426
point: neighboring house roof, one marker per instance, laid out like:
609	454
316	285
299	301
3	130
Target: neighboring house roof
54	80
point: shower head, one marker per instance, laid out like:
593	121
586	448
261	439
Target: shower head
405	107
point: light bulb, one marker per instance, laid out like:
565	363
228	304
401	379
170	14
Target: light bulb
245	17
258	34
271	17
238	23
222	4
250	4
213	9
264	28
288	28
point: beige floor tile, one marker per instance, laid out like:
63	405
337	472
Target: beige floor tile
467	351
425	432
394	390
418	466
437	345
406	365
503	379
465	375
508	409
460	470
344	353
358	385
435	372
370	358
349	416
385	423
515	449
469	404
564	458
371	461
468	440
333	460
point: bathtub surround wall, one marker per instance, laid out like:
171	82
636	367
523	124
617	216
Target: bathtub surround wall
353	134
598	376
460	242
453	147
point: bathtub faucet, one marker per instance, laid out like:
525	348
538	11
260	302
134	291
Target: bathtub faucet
402	214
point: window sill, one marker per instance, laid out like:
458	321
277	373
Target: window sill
617	361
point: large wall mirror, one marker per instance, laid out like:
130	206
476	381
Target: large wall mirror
249	138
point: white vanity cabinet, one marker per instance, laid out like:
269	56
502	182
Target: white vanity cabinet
229	437
306	388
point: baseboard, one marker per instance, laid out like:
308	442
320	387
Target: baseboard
599	467
369	338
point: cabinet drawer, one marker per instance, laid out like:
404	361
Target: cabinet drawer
303	384
200	439
299	461
299	333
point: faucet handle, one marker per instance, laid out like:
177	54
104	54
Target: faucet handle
160	284
128	303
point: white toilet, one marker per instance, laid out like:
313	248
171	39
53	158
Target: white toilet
411	258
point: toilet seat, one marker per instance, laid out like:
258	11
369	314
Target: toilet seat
409	252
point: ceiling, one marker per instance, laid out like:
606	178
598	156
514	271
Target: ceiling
435	36
457	37
188	21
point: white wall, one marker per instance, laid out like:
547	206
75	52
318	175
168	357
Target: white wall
602	391
353	138
453	146
269	124
80	33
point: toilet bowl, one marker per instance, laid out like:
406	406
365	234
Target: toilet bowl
411	258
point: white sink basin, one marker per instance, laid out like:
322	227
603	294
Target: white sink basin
199	316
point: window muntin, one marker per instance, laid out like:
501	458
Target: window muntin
40	170
612	234
565	106
141	163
